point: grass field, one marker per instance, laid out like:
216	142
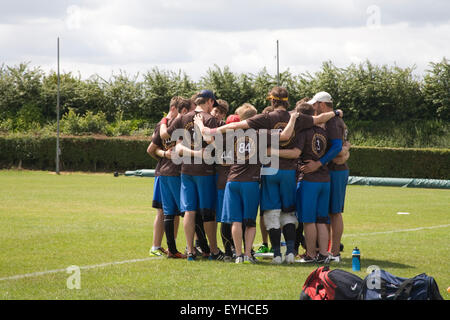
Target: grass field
50	222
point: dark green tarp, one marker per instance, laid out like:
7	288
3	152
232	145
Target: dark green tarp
362	181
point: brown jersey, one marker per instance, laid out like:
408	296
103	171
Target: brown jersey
223	167
278	120
313	143
186	122
158	164
247	164
336	129
165	166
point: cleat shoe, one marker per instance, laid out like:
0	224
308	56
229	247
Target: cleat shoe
290	258
157	252
239	259
218	256
277	260
263	249
335	259
307	259
191	257
249	260
198	251
341	247
322	259
177	255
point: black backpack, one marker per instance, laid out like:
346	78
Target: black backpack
381	285
326	284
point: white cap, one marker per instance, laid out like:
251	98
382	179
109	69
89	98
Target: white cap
321	97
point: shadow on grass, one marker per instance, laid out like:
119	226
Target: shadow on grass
382	264
345	263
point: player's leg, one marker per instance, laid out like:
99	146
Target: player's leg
264	248
271	205
288	218
201	242
323	220
236	232
206	187
299	237
188	204
250	199
225	228
232	212
308	199
338	188
227	239
170	192
158	223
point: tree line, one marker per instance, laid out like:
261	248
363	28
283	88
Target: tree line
365	91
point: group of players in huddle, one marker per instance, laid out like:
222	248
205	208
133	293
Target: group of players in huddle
300	192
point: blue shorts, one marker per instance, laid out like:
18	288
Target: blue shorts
219	204
240	201
314	202
198	193
278	191
157	201
338	187
170	194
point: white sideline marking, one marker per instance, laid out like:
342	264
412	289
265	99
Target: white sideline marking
101	265
395	231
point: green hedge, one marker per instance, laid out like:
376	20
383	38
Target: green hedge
400	162
77	153
118	154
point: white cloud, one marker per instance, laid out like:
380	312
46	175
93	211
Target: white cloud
191	35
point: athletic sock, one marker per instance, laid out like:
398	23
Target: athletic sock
225	232
289	236
170	234
299	238
201	235
275	239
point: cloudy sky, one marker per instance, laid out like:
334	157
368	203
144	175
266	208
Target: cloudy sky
105	36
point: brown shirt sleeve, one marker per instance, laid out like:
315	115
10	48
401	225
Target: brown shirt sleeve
334	130
259	121
176	124
156	138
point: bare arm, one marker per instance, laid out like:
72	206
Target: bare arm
345	147
163	129
184	151
231	126
289	129
324	117
151	150
198	121
342	157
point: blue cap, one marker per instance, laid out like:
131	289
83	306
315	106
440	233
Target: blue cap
208	94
